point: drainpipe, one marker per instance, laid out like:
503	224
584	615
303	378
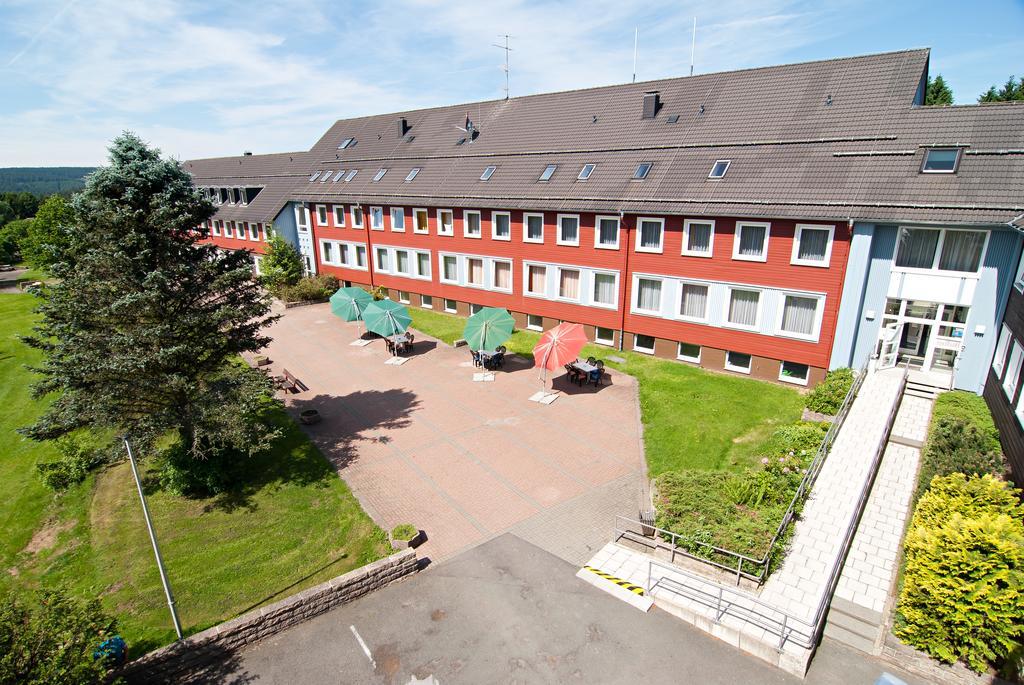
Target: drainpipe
625	281
369	245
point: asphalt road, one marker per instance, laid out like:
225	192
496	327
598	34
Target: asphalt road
509	612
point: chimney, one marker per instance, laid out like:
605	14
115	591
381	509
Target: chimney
652	103
403	126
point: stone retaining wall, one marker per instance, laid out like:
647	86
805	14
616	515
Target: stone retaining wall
178	661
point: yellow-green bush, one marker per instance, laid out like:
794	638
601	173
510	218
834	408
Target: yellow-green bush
963	584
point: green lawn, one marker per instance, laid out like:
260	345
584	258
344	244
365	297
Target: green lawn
293	525
693	419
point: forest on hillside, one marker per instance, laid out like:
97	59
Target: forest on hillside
43	181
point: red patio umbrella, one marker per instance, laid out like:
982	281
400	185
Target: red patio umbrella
558	346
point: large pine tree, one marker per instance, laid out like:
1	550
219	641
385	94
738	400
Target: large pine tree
140	329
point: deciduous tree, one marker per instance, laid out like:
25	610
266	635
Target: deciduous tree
282	265
49	235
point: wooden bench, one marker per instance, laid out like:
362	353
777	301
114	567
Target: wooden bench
289	383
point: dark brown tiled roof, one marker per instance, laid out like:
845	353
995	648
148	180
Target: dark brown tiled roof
834	139
278	175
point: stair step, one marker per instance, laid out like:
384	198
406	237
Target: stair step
850	639
845	606
852	624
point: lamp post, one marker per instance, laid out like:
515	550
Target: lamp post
152	537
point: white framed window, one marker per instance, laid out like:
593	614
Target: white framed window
470	223
254	231
738	362
398	220
377	218
743	308
548	172
412	174
316	175
1018	281
940	160
533	228
535	322
423	265
1013	370
606	233
240	230
403	264
605	289
445	222
641	171
698	237
934	249
693	301
419	221
999	358
339	216
688	352
449	269
403	296
379	175
791	372
475	272
536	280
643	343
812	245
568	230
501	226
719	168
357	216
302	217
216	227
501	275
383	263
750	242
648	295
604	336
350	175
650	235
327	252
569	284
488	172
475	308
427	301
800	316
586	171
337	176
321	215
360	262
451	306
337	253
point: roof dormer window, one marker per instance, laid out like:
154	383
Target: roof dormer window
488	172
941	160
719	168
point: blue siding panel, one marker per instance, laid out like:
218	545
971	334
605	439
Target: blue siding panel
848	319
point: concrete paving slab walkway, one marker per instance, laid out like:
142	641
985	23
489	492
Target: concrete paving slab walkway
424	444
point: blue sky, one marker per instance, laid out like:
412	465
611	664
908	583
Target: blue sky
201	79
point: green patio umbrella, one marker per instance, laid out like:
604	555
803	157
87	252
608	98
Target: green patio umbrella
488	328
386	318
349	303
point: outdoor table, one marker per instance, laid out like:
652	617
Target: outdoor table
584	367
398	341
486	354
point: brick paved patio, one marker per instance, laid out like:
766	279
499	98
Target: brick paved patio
422	443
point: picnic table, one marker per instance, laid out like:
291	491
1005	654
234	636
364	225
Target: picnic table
584	366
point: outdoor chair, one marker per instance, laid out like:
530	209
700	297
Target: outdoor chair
476	358
390	345
592	361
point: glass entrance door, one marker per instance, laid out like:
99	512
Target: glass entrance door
925	335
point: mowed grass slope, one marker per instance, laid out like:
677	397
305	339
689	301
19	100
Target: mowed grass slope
294	524
693	419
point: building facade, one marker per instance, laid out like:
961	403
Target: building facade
830	220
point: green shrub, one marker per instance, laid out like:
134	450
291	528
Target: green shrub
281	265
404	531
801	439
963	586
77	459
827	397
962	438
309	289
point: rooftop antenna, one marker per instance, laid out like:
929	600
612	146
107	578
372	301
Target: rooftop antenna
636	37
693	44
507	50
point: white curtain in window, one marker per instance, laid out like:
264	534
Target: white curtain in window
360	255
798	315
535	227
699	238
473	224
382	259
446	222
608	232
329	253
423	263
752	241
604	288
570	228
694	301
743	307
917	248
648	295
343	254
650	234
451	272
813	245
501	226
402	257
569	284
961	250
538	275
476	271
503	275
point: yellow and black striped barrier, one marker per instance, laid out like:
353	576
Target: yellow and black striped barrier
635	589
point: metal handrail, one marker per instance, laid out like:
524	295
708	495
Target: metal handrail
784	628
805	485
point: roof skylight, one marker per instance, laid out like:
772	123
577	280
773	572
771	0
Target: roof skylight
412	174
642	169
337	176
941	160
486	176
350	175
314	176
548	172
719	168
586	171
346	143
379	175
